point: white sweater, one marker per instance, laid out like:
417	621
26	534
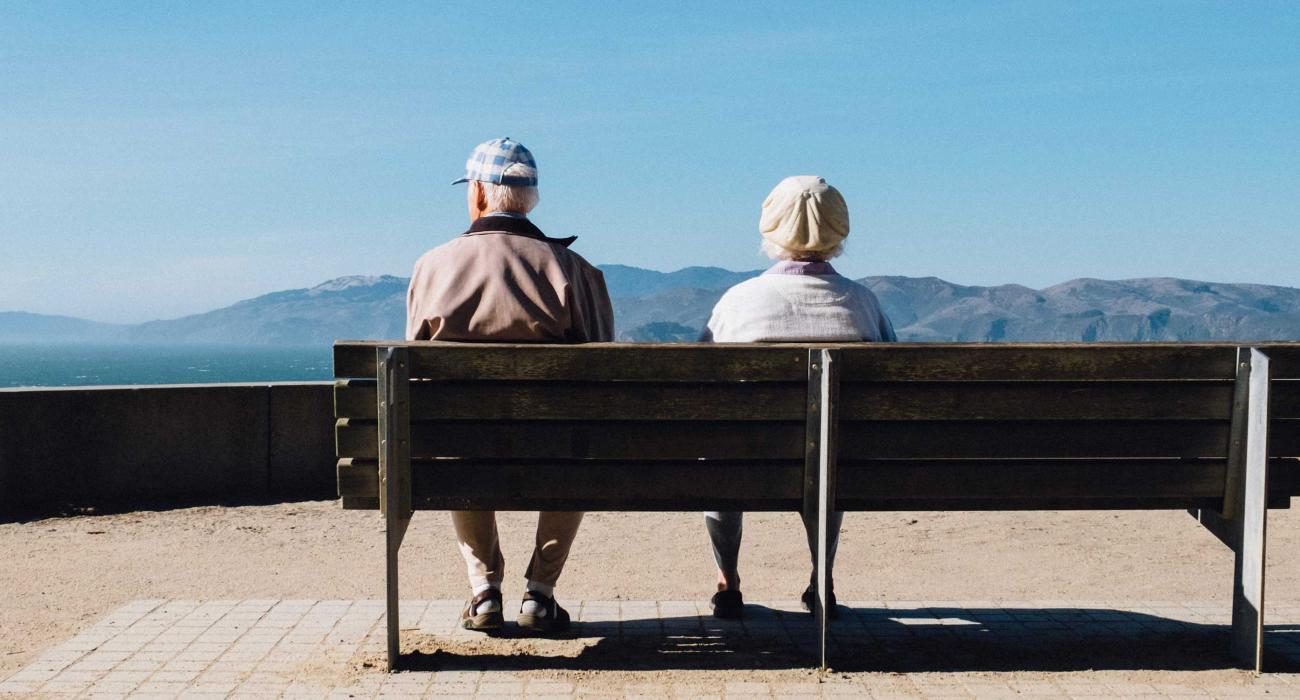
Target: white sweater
775	307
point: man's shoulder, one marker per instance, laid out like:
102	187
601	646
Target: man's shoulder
542	249
477	245
577	260
500	245
445	247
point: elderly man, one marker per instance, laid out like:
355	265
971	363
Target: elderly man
504	280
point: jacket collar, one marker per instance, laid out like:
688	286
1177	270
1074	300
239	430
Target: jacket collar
801	267
514	227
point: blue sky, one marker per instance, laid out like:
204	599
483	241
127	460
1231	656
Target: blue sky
163	159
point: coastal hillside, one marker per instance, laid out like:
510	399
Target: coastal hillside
1157	308
347	307
23	327
674	306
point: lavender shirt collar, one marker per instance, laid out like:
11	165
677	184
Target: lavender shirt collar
801	267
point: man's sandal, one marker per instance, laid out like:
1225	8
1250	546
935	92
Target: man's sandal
472	619
550	620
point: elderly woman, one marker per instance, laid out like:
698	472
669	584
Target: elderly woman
800	298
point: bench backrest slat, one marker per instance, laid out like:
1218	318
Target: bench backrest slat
762	440
1284	408
570	485
598	362
920	426
590	401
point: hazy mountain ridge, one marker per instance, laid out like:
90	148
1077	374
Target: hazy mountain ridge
673	306
626	282
346	307
23	327
1156	308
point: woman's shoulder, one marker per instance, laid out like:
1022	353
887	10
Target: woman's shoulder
757	295
758	286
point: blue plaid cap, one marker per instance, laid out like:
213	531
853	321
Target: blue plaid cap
490	160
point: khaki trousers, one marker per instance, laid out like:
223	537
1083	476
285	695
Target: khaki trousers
476	531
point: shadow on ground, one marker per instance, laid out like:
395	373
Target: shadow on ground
27	513
866	640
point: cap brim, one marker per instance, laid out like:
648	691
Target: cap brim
457	182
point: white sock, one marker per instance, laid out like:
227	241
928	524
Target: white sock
488	605
532	607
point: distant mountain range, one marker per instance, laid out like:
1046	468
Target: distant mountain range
674	306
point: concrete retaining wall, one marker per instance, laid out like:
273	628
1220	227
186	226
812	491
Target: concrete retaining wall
149	446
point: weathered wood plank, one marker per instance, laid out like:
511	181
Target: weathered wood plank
1048	480
1053	361
1284	438
359	479
761	440
1284	359
1027	504
592	362
1031	439
509	400
731	362
360	502
936	480
1115	400
616	440
1285	399
362	479
352	398
767	401
452	484
1283	479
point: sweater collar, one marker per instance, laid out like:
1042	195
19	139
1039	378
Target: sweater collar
515	227
801	267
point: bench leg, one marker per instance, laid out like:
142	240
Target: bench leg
393	534
819	473
393	374
1249	513
1242	523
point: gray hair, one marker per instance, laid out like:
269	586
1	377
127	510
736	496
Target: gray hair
519	199
776	252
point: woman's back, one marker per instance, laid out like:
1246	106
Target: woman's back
798	301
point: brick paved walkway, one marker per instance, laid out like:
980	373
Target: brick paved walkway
333	648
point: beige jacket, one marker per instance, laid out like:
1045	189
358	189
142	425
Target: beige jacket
504	280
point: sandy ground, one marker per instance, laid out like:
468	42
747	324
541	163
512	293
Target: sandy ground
60	574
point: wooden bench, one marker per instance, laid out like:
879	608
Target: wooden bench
626	427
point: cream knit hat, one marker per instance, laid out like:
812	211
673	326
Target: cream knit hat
804	214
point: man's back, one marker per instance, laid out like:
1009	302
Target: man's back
503	280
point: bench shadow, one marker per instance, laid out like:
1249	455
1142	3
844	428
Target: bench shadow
931	639
30	512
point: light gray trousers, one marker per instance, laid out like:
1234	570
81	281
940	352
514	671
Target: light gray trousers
725	529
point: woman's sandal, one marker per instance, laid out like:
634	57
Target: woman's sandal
728	604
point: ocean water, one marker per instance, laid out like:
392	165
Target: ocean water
38	364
